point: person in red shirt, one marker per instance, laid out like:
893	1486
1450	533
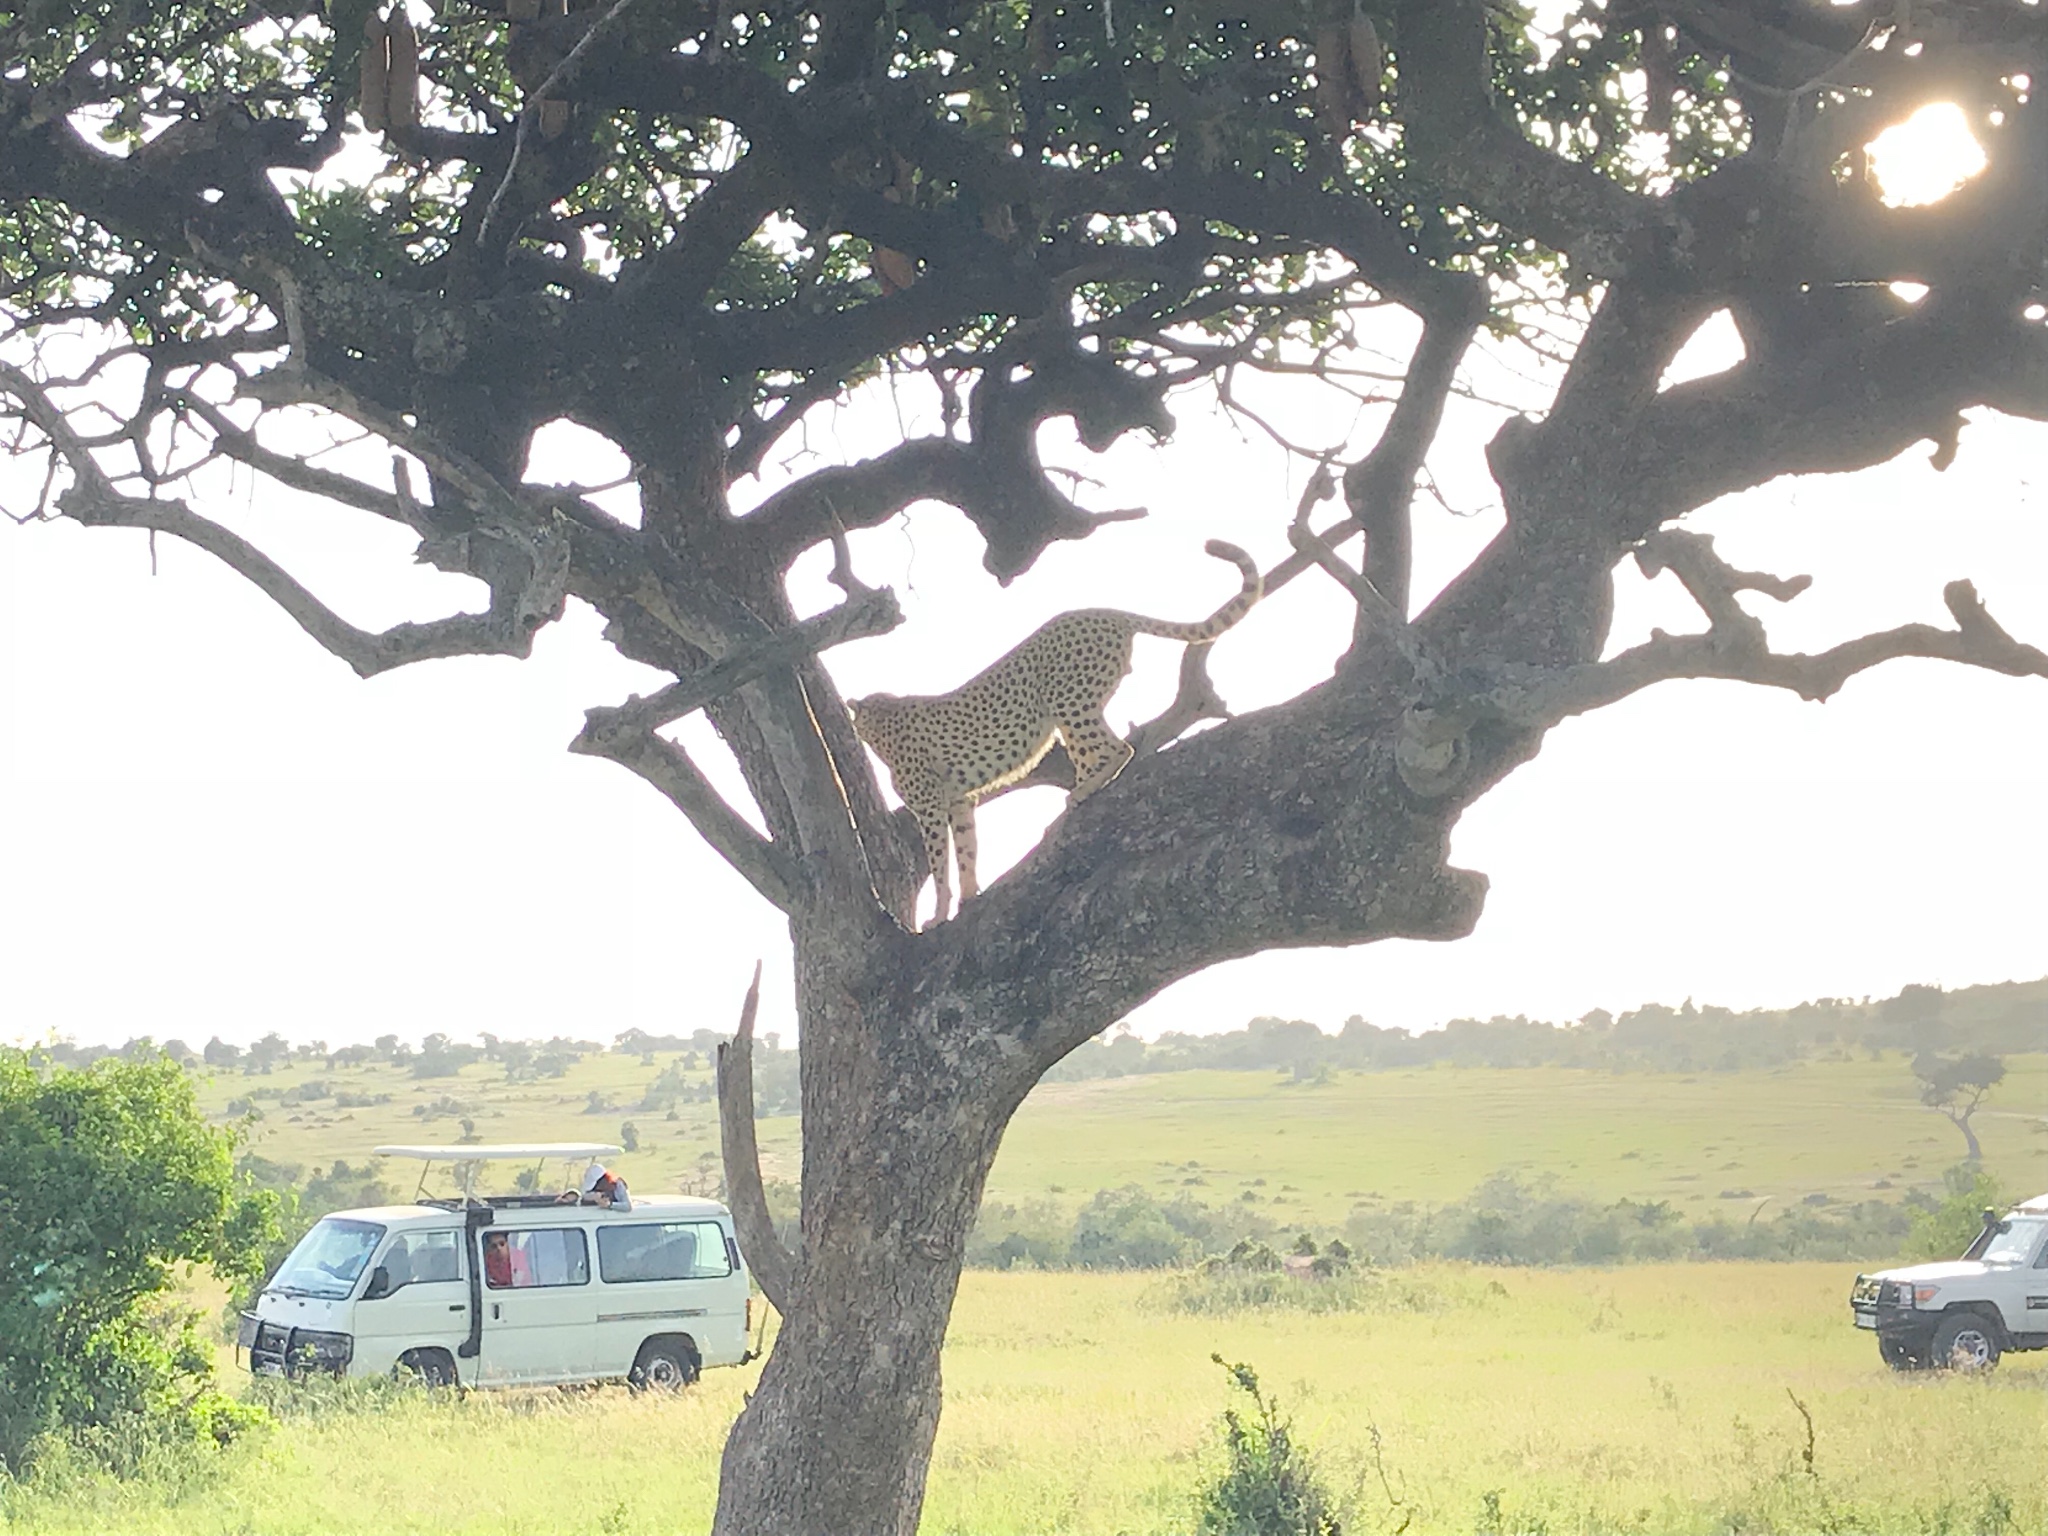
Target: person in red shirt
497	1261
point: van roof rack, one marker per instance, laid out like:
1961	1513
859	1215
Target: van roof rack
469	1158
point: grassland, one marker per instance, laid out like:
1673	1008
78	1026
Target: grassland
1652	1399
1847	1129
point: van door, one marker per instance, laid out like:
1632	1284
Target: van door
666	1277
538	1306
422	1302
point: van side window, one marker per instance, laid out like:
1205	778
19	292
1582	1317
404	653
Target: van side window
545	1256
674	1250
416	1258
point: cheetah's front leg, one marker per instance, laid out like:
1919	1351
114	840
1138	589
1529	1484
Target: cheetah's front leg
927	804
961	817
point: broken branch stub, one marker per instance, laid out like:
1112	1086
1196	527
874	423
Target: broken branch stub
773	1266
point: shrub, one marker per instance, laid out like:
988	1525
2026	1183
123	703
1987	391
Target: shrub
110	1178
1268	1486
1944	1230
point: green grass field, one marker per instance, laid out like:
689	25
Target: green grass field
1649	1399
1837	1128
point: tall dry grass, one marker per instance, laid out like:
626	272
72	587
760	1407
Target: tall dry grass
1652	1399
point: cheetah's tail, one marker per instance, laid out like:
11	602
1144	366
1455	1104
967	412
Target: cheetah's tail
1217	622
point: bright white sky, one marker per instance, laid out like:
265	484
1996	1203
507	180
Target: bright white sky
210	826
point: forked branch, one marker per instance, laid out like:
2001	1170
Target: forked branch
1733	648
772	1264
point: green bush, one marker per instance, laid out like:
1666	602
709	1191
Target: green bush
1268	1486
1944	1230
110	1177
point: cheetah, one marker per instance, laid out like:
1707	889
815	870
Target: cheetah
948	751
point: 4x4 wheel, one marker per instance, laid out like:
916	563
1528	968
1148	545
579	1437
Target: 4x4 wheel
664	1365
1899	1355
1965	1341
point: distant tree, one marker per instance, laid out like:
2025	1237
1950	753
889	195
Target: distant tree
1956	1085
351	1056
441	1057
629	1136
266	1053
110	1181
1919	1012
388	1046
218	1053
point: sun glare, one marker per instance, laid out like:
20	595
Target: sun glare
1926	157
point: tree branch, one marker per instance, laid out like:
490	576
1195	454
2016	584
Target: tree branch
774	1267
870	612
669	769
506	630
1733	648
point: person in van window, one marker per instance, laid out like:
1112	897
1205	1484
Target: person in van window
497	1261
600	1187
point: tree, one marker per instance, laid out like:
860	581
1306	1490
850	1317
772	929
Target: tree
690	229
1956	1085
110	1178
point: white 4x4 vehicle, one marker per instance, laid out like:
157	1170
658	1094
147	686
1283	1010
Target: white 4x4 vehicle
1967	1312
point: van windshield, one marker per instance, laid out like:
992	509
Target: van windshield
329	1259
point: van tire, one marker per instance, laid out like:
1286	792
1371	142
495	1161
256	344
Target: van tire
1965	1341
666	1364
431	1368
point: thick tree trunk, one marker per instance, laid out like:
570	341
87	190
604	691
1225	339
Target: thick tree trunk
900	1129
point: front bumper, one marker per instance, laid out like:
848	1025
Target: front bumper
1875	1305
279	1351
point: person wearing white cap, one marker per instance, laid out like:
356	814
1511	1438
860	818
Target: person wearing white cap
600	1187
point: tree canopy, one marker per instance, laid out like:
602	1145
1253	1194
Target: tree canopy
231	234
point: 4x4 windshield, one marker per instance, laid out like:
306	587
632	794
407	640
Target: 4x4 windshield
329	1259
2016	1244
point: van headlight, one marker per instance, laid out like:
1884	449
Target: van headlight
323	1351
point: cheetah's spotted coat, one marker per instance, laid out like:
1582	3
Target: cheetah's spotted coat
949	751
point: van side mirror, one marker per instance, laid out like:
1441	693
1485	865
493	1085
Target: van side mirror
380	1284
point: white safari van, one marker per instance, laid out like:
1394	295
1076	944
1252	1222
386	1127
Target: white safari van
508	1290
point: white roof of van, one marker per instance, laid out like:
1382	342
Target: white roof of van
2038	1206
489	1151
653	1208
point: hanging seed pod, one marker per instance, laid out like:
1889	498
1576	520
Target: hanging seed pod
554	118
1660	78
894	270
402	92
1333	85
1367	64
375	75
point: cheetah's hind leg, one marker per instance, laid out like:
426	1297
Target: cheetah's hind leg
1099	754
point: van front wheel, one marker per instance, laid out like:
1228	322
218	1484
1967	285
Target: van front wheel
664	1365
428	1367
